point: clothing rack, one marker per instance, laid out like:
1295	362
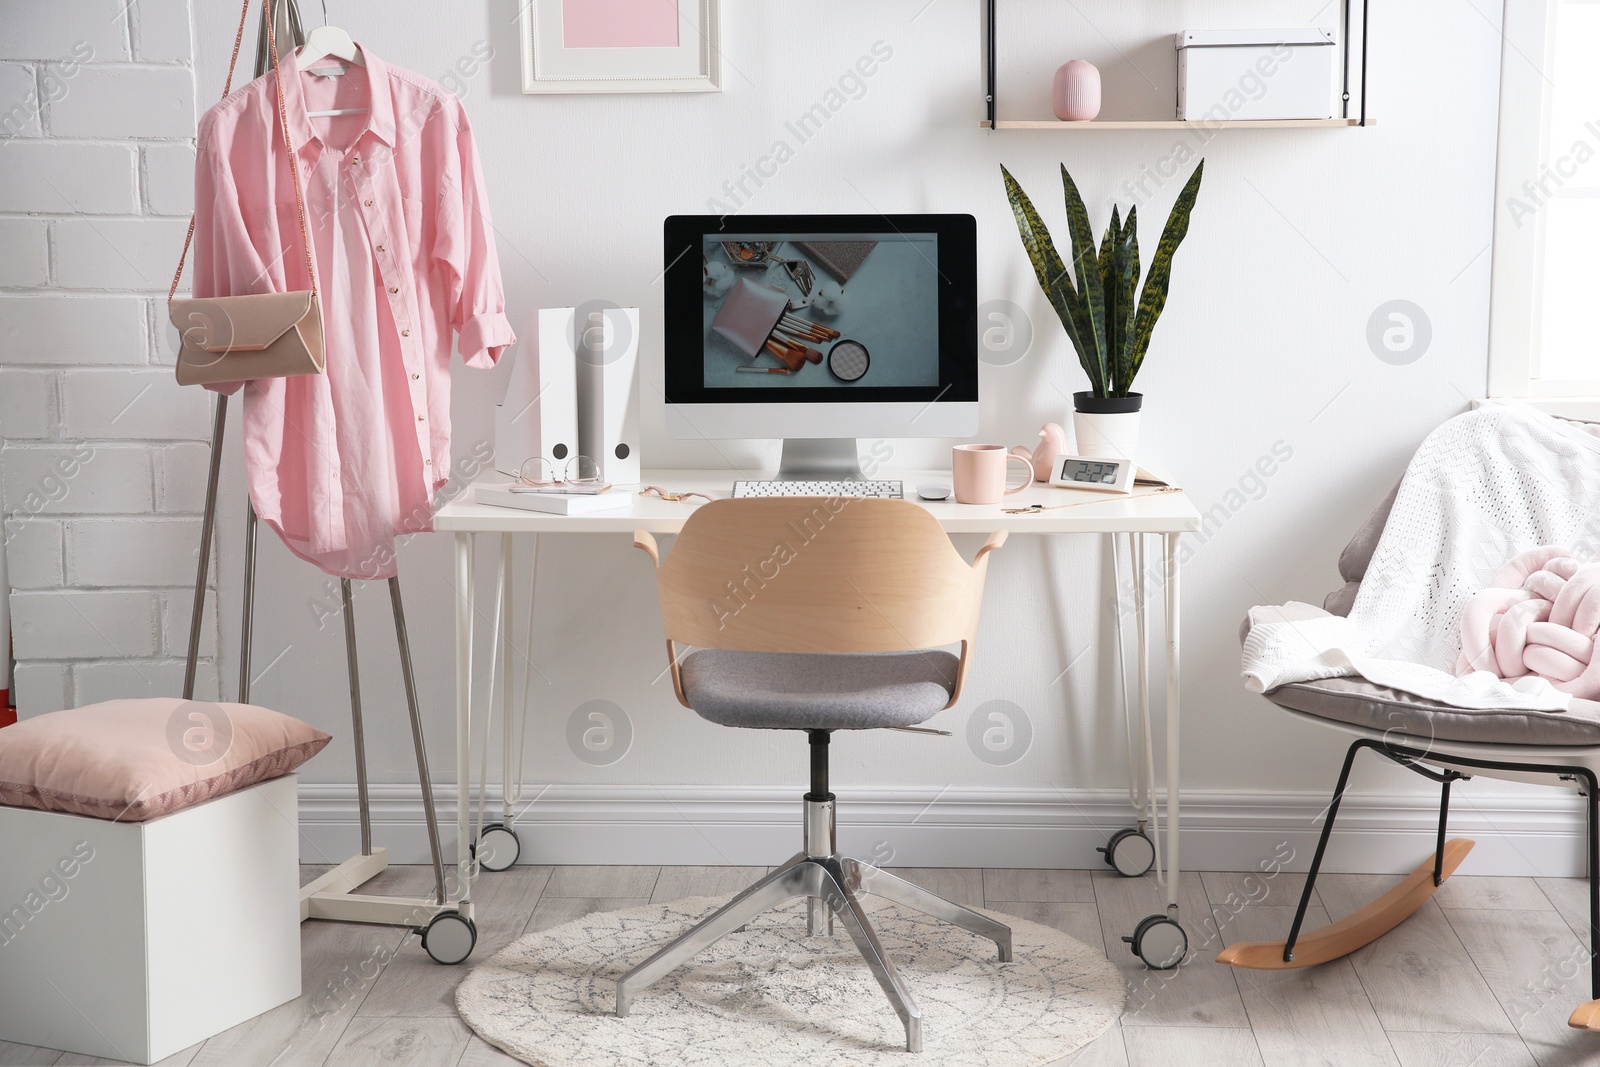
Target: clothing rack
446	926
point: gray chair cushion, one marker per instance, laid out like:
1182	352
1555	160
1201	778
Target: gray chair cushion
818	691
1361	703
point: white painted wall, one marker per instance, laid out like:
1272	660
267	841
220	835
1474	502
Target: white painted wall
1299	236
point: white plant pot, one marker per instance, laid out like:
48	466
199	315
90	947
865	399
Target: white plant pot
1106	435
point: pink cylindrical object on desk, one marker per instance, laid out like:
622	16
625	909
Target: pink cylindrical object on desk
1076	97
979	473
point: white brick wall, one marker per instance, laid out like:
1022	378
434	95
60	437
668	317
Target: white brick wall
34	547
102	456
169	179
25	263
117	253
72	329
28	405
120	101
19	90
43	175
33	33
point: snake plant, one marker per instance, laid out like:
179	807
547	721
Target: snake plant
1107	318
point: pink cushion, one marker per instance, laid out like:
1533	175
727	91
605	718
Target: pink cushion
133	760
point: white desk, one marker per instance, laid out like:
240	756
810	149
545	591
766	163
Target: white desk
1145	512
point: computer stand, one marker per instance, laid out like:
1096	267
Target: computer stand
819	458
446	927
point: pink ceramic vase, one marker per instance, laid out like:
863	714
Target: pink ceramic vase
1077	91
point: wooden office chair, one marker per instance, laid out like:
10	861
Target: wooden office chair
818	614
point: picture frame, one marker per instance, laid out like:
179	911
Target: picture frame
621	46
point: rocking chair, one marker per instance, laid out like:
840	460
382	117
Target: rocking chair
1446	745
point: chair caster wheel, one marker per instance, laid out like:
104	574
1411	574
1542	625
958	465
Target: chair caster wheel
497	847
1130	853
1160	942
450	937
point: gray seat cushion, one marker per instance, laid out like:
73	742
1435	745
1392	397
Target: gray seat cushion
818	691
1361	703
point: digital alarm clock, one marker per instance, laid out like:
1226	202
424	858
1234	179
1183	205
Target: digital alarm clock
1093	472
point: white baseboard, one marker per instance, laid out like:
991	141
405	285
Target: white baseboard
1536	834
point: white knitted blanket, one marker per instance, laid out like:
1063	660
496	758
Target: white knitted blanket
1482	487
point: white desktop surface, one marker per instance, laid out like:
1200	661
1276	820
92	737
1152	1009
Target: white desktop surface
1143	511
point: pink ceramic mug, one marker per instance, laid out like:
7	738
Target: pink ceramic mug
979	473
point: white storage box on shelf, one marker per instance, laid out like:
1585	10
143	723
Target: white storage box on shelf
1255	74
134	941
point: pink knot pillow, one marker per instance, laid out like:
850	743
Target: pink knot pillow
1539	616
133	760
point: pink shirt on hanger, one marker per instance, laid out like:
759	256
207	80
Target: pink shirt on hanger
341	463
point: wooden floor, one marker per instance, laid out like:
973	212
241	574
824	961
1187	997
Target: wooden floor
1483	976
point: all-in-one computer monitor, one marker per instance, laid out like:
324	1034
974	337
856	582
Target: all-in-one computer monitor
820	329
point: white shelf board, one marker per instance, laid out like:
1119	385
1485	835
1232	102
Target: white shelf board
1176	124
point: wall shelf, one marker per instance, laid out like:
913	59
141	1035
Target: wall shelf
1360	118
1175	124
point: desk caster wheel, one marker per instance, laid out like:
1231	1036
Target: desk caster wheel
450	937
1160	942
498	847
1130	853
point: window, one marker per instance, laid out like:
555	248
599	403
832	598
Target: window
1544	342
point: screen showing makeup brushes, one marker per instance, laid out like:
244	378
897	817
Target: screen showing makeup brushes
840	310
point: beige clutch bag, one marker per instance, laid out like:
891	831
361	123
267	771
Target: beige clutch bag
239	338
265	335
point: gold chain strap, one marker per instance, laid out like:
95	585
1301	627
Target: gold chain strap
288	143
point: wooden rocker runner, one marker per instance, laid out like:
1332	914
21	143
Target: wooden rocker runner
1444	762
1377	918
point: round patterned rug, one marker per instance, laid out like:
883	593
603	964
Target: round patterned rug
769	995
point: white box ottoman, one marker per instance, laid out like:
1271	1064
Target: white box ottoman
149	873
133	941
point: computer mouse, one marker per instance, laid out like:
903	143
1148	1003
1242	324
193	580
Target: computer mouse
933	492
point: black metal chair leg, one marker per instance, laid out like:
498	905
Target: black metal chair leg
1594	880
1322	847
1444	820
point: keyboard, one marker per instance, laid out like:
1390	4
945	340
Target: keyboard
852	488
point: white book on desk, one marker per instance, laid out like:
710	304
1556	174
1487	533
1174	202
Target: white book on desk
553	503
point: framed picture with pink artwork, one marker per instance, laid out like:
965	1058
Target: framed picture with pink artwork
620	46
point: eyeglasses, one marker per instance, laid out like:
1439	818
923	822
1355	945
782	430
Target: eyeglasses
539	472
656	490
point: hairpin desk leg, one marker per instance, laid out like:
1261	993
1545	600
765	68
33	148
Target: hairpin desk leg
423	777
248	620
357	730
1170	544
1141	670
464	609
1160	940
208	526
506	716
